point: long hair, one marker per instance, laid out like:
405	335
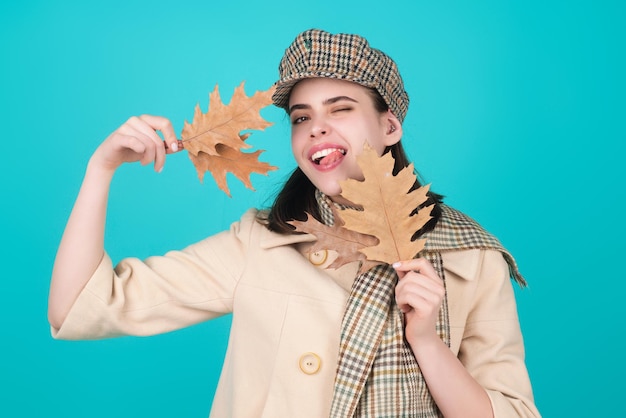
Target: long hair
297	197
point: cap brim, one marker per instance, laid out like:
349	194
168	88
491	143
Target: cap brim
284	85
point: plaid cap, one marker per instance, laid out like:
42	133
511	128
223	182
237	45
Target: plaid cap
316	53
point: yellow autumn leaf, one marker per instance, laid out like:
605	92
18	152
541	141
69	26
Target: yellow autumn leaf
387	203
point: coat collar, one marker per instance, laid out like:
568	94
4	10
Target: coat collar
273	239
462	263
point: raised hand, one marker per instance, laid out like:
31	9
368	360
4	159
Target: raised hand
419	294
137	140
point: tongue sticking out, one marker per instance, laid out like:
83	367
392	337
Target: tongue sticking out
331	158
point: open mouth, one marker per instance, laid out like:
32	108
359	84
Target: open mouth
328	156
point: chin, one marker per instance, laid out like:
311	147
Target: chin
330	190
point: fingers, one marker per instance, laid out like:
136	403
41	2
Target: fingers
419	293
174	147
158	123
155	151
141	137
416	265
419	287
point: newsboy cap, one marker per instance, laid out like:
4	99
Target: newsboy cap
316	53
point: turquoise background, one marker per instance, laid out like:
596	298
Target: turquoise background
517	115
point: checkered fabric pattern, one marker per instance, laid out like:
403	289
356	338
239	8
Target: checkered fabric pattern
377	374
316	53
324	204
457	231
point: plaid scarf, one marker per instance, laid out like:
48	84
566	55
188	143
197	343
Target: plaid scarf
377	374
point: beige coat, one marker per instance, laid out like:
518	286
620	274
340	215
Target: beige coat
287	314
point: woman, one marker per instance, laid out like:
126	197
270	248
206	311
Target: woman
435	335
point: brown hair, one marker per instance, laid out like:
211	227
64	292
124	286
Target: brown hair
297	197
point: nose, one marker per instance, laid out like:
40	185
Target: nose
319	128
317	132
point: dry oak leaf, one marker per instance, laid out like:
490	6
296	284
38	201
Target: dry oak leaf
345	242
387	207
214	139
241	164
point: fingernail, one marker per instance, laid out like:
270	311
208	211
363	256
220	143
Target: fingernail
396	264
175	146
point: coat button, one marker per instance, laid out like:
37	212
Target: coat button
310	363
318	258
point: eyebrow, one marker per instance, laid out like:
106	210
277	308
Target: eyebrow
326	102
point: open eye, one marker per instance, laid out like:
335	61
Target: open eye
299	119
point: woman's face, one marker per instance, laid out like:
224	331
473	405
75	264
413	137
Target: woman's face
331	120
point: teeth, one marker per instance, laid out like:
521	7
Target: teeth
323	153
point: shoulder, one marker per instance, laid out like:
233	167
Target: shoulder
252	227
456	232
471	265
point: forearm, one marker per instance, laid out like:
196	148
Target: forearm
455	391
82	245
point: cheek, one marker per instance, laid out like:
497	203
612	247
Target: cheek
294	139
296	146
377	141
379	147
358	147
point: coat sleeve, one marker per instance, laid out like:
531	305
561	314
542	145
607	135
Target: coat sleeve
161	293
492	348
